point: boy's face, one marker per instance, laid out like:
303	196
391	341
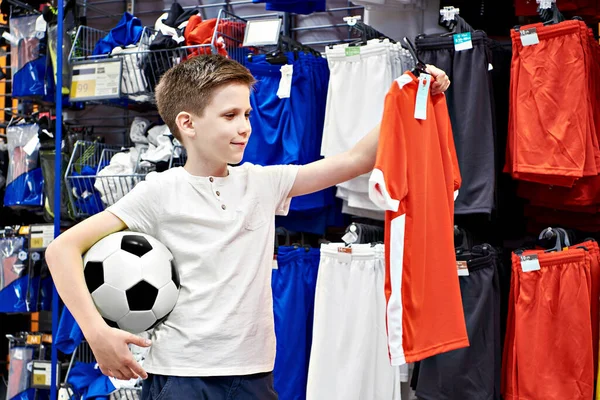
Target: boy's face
222	132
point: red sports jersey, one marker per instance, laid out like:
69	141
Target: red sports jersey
415	179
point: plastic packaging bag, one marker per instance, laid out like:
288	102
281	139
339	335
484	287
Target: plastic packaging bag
28	61
12	260
25	181
19	375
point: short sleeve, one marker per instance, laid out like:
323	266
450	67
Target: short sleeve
139	209
388	182
282	178
455	167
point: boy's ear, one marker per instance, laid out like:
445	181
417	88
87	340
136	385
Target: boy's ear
185	124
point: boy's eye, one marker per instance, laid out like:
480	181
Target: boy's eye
247	115
229	116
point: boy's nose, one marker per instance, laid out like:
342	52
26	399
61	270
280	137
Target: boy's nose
245	128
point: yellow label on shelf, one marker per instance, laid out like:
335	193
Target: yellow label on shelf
34	339
39	378
37	242
85	88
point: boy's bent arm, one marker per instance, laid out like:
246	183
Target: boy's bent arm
64	258
337	169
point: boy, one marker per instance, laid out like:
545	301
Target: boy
218	221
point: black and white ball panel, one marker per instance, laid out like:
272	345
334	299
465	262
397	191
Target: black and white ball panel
136	244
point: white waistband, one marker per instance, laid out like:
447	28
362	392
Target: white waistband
355	251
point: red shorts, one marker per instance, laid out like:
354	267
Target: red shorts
585	192
548	352
552	137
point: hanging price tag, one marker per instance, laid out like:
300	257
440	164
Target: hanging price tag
463	269
285	83
345	254
529	37
530	263
96	80
463	41
352	51
422	96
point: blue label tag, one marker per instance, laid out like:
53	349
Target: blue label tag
462	41
422	96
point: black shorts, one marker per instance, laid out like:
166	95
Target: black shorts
472	373
470	105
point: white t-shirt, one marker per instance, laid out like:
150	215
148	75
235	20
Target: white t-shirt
221	233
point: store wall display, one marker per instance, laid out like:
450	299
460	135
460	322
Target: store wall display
333	301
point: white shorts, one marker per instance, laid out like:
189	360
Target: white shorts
359	212
358	200
358	85
349	357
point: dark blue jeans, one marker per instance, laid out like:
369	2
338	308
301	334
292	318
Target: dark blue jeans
247	387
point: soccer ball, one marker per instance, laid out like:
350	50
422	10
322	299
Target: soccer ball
132	280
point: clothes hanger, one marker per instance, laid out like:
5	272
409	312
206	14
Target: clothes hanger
420	66
461	237
553	233
448	18
277	57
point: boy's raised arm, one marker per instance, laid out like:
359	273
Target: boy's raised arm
339	168
357	161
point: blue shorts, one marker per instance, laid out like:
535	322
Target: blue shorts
316	220
289	130
294	284
278	125
248	387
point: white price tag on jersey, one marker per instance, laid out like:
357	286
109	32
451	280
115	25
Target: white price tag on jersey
422	96
529	37
530	263
285	83
462	41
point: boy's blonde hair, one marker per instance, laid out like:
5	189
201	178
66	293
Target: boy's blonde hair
189	86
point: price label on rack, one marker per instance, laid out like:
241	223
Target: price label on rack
41	236
41	374
34	339
98	80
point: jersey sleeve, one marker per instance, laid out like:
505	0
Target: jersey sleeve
388	182
281	179
140	208
455	166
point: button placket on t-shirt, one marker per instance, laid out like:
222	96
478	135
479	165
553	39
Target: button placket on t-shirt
214	184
